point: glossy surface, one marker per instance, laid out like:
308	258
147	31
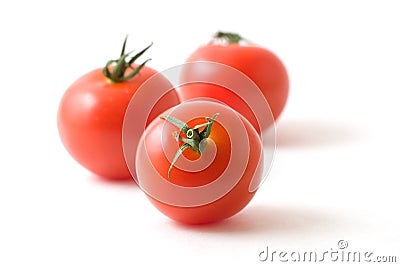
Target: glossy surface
90	119
206	188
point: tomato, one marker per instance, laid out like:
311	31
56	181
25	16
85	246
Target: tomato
262	66
92	110
200	163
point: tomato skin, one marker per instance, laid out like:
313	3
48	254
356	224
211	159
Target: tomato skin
262	66
228	204
90	118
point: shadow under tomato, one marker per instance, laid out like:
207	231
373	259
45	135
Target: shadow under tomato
114	182
267	219
312	133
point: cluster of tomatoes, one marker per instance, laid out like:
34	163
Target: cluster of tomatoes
195	148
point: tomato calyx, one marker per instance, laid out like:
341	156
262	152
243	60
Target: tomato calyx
193	136
118	73
231	38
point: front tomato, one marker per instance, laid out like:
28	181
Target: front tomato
92	111
201	162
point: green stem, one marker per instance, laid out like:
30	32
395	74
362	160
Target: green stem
231	38
193	136
120	65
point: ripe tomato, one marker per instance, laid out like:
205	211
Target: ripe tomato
92	110
215	172
262	66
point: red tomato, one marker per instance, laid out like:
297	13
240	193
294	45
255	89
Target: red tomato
262	66
92	111
210	181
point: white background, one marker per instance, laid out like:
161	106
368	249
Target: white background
335	174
